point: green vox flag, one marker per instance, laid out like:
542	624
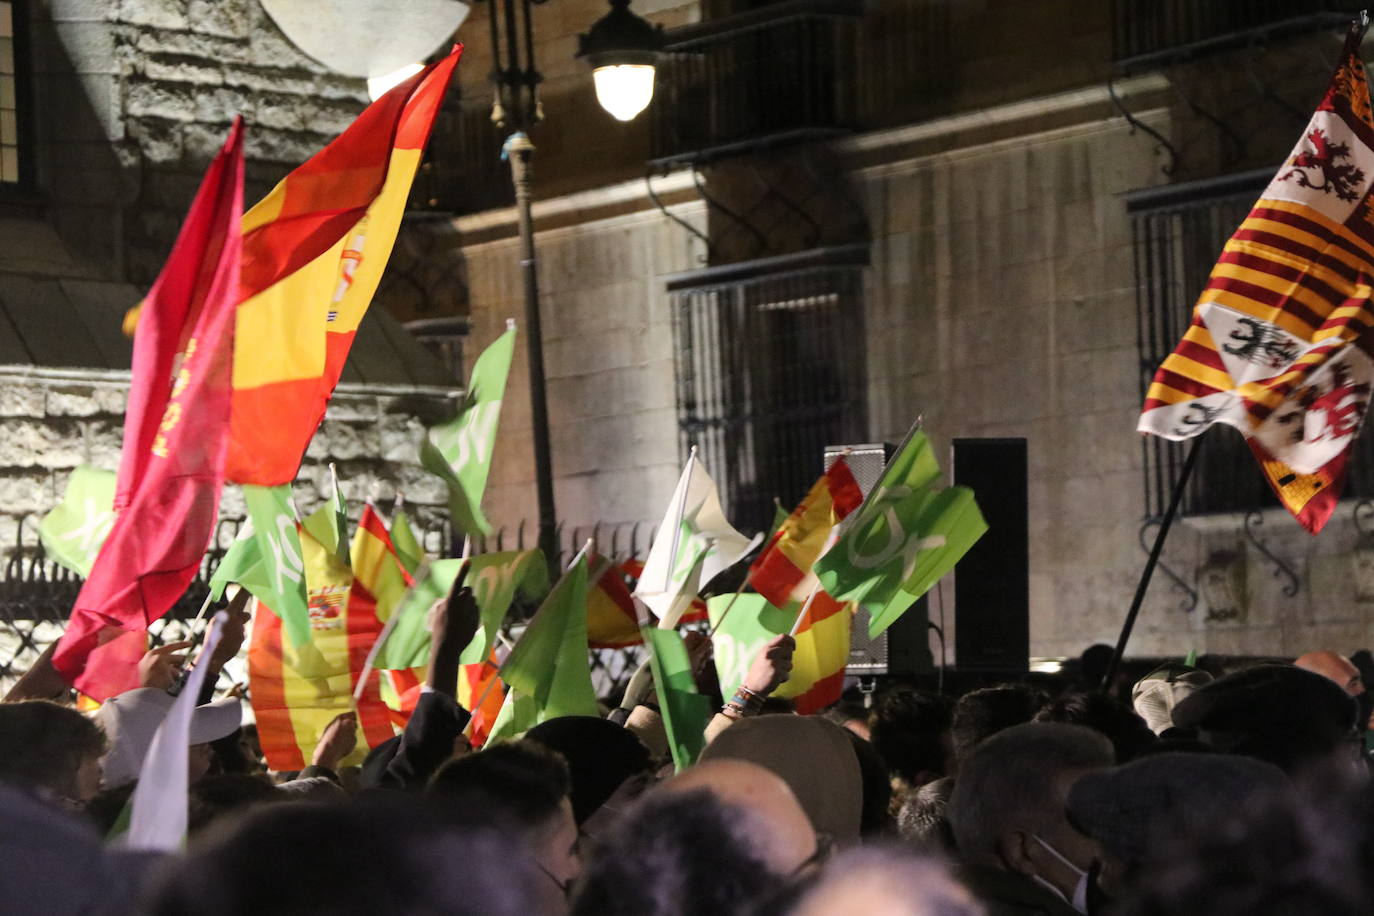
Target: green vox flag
242	563
495	579
904	537
751	623
405	543
459	450
685	712
548	671
279	547
329	523
74	530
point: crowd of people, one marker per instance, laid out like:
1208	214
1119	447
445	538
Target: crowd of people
1186	792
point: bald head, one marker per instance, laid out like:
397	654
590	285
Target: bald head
1333	667
786	838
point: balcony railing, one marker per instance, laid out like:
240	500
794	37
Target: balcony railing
463	171
779	74
1152	32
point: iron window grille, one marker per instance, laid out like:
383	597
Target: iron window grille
16	135
769	365
1179	231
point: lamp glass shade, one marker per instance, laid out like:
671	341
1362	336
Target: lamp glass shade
624	89
378	86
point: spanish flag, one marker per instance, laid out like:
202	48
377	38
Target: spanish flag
780	572
313	252
1281	345
297	691
378	584
611	619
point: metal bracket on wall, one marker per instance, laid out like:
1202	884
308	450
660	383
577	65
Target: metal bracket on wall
1254	519
1189	602
658	202
1161	142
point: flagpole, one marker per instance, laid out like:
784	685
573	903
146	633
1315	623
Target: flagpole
721	619
681	513
1150	564
796	624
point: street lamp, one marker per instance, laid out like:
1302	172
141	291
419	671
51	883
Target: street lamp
622	49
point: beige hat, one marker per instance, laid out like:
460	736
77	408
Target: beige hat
131	719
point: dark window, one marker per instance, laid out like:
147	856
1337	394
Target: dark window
1179	232
770	370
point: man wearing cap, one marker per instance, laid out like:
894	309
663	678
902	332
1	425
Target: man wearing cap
131	719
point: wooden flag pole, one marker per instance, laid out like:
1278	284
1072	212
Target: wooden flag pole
723	614
796	624
1150	564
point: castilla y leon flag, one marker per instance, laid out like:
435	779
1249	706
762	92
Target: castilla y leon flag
175	433
1280	343
313	253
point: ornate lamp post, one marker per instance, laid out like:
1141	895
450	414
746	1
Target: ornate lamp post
517	108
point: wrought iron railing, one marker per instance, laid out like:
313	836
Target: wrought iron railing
1179	231
463	171
1152	32
777	74
36	595
769	358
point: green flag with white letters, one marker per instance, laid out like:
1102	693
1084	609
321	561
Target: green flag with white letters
73	531
904	537
278	542
459	450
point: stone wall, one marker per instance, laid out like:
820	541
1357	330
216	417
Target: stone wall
50	422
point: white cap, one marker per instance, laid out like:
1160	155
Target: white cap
131	719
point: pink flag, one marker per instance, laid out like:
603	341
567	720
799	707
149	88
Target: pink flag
175	434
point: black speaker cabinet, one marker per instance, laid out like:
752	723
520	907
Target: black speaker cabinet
903	648
992	581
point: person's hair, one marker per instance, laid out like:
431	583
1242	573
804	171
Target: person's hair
228	794
874	819
1281	855
106	806
1009	781
907	884
980	714
908	729
1129	734
517	783
678	853
923	819
42	745
384	854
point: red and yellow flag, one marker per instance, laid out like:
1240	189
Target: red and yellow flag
296	692
781	570
313	253
175	435
481	692
611	619
822	653
379	583
1280	346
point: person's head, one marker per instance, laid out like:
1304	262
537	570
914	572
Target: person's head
523	787
814	757
227	795
980	714
780	833
874	819
910	730
1289	717
1156	694
886	882
600	756
1008	806
1134	808
683	851
1128	733
923	820
852	716
131	719
1335	667
50	749
389	853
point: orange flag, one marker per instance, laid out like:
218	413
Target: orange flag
313	252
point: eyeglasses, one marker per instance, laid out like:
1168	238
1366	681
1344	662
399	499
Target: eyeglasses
825	847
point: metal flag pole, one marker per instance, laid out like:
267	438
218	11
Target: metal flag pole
1150	564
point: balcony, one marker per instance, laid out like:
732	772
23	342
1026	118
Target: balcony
772	76
1155	32
463	171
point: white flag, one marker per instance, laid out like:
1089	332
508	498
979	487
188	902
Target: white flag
158	820
693	545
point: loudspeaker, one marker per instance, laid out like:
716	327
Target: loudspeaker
992	581
903	648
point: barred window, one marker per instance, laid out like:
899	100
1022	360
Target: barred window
769	365
1179	231
12	85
